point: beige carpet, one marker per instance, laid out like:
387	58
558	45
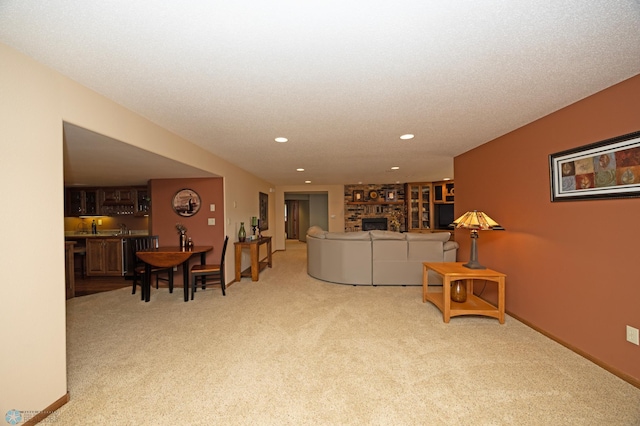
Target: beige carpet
293	350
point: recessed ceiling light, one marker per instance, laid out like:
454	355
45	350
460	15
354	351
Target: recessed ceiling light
407	136
446	178
281	140
300	170
395	168
307	181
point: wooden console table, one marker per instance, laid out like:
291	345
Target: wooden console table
257	264
454	271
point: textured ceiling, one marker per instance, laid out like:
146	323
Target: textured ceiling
341	79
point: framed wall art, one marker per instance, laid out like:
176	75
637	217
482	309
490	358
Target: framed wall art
186	202
358	195
390	195
605	169
264	211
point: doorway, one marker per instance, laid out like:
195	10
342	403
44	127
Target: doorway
302	210
292	219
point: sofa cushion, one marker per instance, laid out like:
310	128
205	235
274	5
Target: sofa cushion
425	250
432	236
359	235
386	235
389	251
316	231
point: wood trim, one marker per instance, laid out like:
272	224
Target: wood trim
629	379
47	411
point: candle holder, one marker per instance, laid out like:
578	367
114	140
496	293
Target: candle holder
255	223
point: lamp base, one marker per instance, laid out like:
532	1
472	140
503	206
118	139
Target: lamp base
473	260
474	265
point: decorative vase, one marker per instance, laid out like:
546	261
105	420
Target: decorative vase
458	292
183	240
242	234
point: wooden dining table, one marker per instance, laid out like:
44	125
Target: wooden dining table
169	257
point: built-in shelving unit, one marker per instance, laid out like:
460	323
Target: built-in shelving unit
107	201
429	206
418	202
443	200
375	203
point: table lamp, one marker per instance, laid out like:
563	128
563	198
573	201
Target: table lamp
475	221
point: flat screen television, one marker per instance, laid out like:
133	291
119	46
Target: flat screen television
443	215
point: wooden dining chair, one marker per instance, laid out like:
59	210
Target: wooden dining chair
147	243
216	271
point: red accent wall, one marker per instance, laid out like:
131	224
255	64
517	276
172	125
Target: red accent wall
572	267
164	219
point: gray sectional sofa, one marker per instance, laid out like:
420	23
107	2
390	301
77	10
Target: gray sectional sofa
375	257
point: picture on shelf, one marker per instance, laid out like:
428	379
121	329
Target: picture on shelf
358	195
390	195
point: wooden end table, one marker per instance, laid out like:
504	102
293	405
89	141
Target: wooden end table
454	271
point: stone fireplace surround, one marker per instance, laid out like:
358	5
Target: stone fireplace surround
371	209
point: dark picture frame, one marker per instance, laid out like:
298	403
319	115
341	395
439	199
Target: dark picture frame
186	202
264	211
390	195
601	170
358	195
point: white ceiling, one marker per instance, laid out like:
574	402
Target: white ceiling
341	79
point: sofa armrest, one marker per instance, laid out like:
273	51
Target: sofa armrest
450	251
451	245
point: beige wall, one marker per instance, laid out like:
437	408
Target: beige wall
33	356
35	102
571	266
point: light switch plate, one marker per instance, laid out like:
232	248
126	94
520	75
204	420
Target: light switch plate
211	221
633	335
212	207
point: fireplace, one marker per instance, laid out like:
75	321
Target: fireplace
374	223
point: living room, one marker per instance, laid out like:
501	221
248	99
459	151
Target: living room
570	274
